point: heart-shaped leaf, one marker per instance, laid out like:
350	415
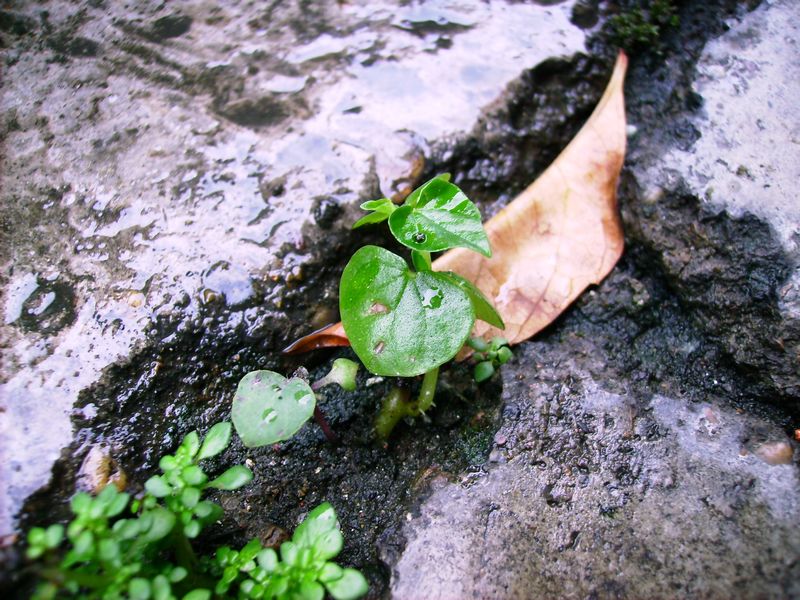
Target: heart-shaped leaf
439	216
401	323
269	408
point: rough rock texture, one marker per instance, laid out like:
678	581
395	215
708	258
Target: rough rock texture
592	493
635	459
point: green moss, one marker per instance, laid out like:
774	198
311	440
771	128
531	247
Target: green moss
642	25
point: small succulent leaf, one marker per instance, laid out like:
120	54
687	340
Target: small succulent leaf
498	342
53	535
139	589
401	323
250	550
311	590
216	440
108	550
438	218
167	463
349	586
329	544
192	443
484	311
178	574
193	475
289	552
504	354
483	371
190	496
118	504
319	521
268	559
269	408
161	588
198	594
162	523
330	572
80	503
127	529
232	479
157	486
192	529
479	344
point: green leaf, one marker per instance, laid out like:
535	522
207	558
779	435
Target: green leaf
478	344
162	523
329	544
311	590
192	529
383	208
269	408
191	443
178	574
480	304
117	505
398	322
53	536
483	371
504	354
108	550
268	559
161	588
167	463
198	595
216	440
84	543
439	216
190	496
349	586
330	571
289	552
139	589
81	503
319	521
193	475
498	342
157	486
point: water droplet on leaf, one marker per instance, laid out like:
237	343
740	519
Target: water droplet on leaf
419	237
432	298
269	415
379	347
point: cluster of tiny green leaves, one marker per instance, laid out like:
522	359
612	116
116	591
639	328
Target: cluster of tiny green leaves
402	321
643	25
140	550
303	569
489	356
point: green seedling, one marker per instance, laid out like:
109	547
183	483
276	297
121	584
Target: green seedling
406	320
117	548
402	319
489	356
269	408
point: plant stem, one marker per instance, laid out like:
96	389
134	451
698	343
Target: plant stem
428	390
319	417
184	553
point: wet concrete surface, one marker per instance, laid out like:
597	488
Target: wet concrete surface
177	189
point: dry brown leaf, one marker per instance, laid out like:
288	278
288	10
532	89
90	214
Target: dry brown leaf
560	235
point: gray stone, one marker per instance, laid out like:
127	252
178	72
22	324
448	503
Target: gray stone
603	495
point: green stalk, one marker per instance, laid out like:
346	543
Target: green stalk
396	405
184	553
427	391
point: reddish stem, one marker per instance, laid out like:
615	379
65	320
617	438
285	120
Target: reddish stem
326	429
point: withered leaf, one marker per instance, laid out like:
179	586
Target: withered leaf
559	236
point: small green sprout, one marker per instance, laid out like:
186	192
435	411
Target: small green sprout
489	356
141	550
